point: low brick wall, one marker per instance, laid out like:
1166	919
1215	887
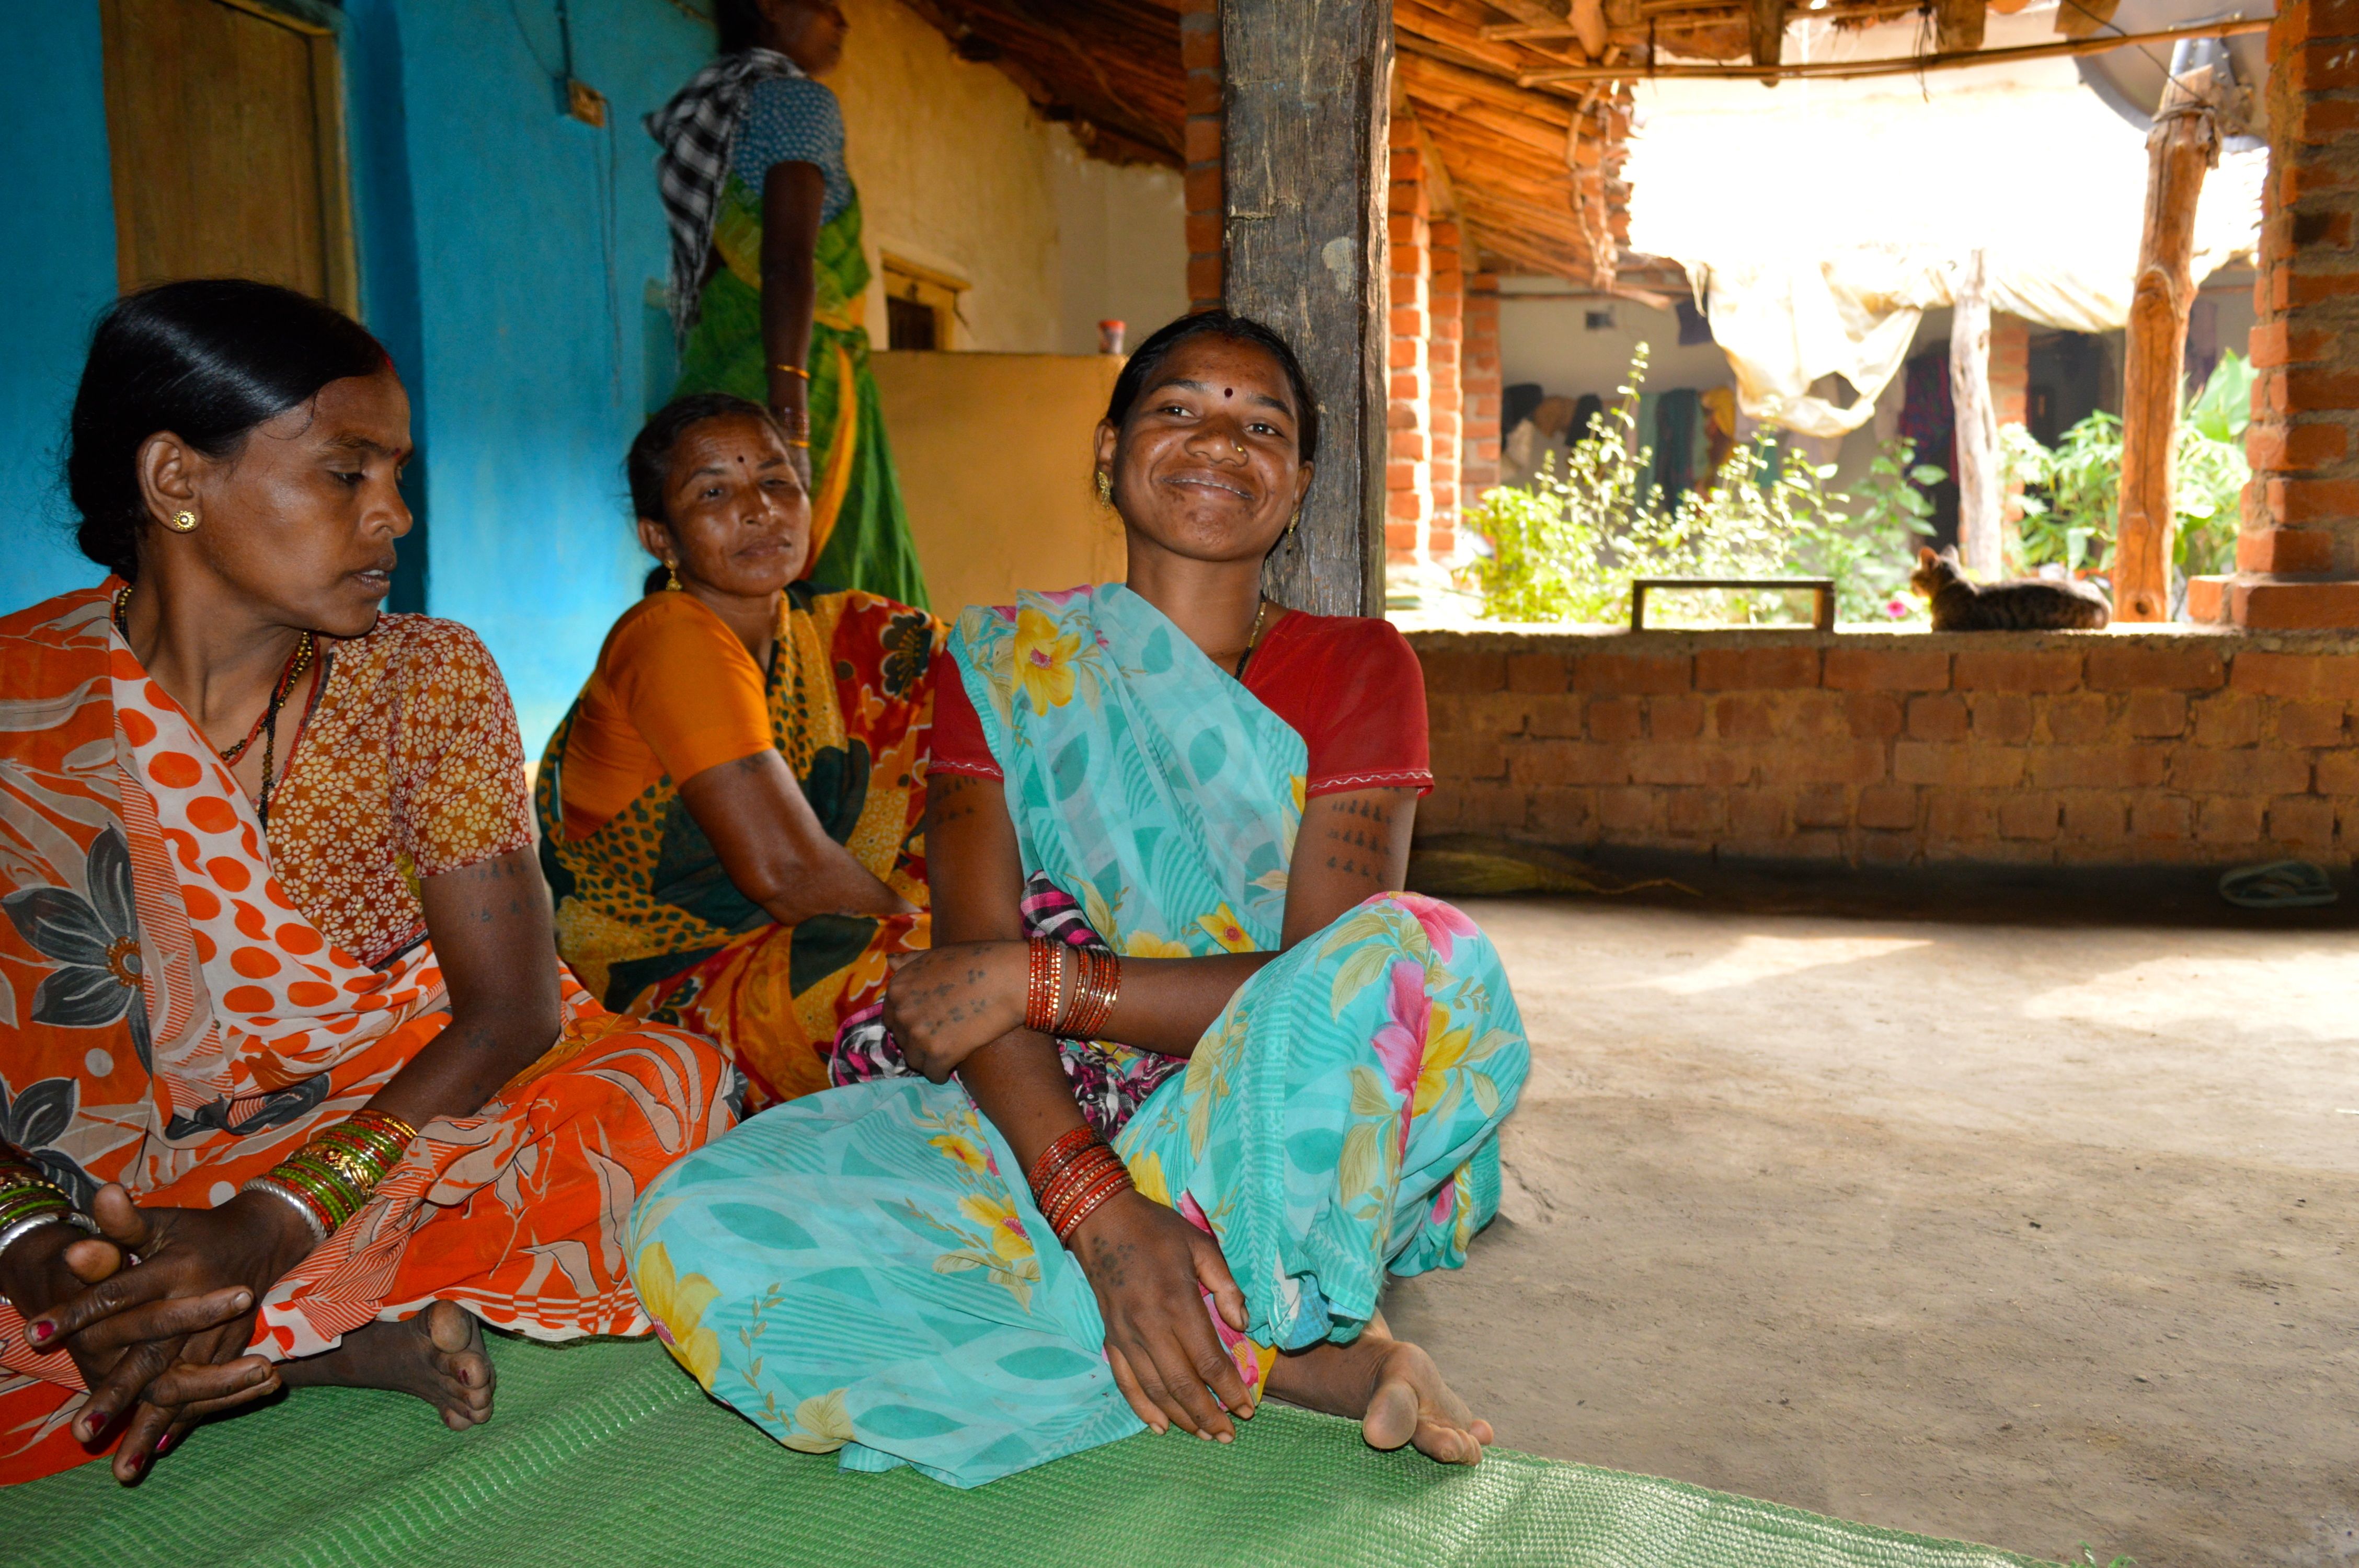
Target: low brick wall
2121	747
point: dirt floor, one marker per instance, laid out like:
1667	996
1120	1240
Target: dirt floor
2001	1226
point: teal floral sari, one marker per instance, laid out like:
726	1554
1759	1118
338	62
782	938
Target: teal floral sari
863	1271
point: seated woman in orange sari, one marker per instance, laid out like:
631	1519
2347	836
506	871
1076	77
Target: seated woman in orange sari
297	1092
730	814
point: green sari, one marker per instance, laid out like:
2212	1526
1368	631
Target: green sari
860	529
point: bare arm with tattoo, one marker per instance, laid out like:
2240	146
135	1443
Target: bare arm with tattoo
771	844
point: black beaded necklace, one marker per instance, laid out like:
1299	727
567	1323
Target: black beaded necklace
265	726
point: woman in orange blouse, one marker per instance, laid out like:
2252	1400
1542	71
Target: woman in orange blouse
288	1026
729	813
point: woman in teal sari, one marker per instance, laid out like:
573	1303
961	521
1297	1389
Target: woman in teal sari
769	278
1168	827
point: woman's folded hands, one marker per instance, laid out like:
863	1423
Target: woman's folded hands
161	1342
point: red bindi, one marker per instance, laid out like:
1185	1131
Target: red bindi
1228	392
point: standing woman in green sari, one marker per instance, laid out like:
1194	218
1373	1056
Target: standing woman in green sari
770	277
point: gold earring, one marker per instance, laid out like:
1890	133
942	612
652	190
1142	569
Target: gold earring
1106	488
1293	523
183	522
672	578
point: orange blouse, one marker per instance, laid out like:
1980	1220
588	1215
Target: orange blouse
675	693
408	765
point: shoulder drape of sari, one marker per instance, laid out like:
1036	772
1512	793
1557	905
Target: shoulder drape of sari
860	526
179	1026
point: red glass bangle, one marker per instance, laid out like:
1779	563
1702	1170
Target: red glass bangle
1055	1157
1079	1172
1088	1204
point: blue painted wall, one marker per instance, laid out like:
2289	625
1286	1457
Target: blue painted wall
506	254
57	236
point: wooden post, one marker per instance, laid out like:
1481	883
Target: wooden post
1308	97
2184	143
1766	21
1958	23
1976	421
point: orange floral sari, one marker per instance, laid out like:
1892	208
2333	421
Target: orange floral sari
177	1024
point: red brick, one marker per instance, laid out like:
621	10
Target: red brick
1957	767
1756	669
2227	719
2268	343
2098	767
2246	773
2097	817
1564	816
2228	821
1748	717
1200	140
1493	809
2285	550
2028	817
2076	720
2001	717
1881	669
1535	672
1822	805
1687	762
1617	719
2297	674
1998	670
1674	717
1872	714
2312	500
1888	848
2302	822
1757	813
1568	762
1453	670
1937	719
1560	716
2135	668
2316	389
2338	773
1204	275
2158	817
2157	715
2297	606
1630	810
1204	236
1858	762
1960	816
1887	805
1640	673
2311	723
1693	813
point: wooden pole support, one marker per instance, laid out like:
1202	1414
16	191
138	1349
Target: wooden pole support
1975	417
1307	92
1957	25
2184	143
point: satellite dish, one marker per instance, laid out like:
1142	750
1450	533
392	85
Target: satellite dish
2131	79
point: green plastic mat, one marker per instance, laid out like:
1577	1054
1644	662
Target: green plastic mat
606	1454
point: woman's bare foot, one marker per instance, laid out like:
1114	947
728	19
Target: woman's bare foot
438	1356
1392	1387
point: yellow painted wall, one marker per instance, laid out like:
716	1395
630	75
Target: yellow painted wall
958	174
994	456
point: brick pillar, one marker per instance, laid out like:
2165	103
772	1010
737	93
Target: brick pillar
1478	382
1200	53
2297	553
2010	385
1444	366
1409	477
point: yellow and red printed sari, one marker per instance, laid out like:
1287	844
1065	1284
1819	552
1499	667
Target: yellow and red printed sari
176	1022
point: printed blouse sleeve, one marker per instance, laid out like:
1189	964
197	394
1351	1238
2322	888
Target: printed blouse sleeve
459	783
688	684
788	120
1371	730
959	745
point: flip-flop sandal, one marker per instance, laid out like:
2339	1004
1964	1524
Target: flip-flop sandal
2278	885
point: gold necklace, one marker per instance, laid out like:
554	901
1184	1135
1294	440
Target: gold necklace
1253	638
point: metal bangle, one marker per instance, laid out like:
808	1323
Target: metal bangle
25	1227
311	1220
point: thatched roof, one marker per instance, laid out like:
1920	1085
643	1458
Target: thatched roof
1530	172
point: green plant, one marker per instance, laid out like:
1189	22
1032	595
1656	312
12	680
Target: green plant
2071	494
1567	546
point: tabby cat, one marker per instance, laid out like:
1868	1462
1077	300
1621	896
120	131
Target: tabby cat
2027	604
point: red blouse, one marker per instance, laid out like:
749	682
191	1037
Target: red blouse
1350	686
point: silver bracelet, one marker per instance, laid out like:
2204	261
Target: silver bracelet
311	1220
31	1223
